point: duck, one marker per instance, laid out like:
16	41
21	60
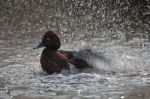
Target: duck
54	60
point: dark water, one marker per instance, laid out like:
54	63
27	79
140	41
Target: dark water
119	30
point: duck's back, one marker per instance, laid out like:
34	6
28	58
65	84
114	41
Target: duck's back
79	63
87	58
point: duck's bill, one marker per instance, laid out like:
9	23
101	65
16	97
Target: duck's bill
39	45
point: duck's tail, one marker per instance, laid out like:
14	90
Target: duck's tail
95	60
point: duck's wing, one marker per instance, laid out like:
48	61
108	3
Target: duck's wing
77	62
87	58
95	60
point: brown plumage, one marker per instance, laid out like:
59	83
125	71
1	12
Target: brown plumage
54	60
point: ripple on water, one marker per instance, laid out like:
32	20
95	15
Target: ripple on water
21	76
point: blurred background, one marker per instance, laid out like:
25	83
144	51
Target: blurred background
26	20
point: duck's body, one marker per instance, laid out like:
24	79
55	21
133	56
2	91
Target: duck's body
54	60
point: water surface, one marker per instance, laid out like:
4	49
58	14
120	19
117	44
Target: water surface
22	77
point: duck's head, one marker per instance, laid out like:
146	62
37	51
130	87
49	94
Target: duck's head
50	40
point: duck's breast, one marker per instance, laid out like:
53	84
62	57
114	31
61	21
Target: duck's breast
53	61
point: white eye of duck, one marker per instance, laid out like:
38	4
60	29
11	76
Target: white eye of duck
48	38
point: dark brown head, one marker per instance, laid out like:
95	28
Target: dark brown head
50	40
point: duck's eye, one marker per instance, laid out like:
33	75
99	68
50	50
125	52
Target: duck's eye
48	38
